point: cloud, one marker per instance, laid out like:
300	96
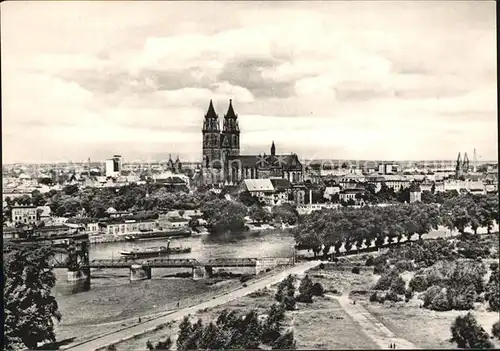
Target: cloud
339	79
247	73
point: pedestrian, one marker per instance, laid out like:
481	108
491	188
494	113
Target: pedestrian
178	303
394	346
140	320
354	302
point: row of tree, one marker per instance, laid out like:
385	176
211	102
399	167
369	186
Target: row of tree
233	331
355	227
470	211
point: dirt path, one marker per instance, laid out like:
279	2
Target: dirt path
122	335
371	326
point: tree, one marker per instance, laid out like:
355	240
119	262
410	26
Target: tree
185	330
305	290
285	342
398	285
212	338
29	307
273	325
495	330
493	291
468	334
161	345
70	189
37	198
224	215
192	342
258	214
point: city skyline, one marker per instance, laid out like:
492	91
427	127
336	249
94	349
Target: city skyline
357	80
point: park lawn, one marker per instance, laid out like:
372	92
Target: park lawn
425	328
343	281
328	328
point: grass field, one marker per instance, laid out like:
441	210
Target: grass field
325	325
322	320
425	328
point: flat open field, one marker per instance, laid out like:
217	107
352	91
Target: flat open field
425	328
322	320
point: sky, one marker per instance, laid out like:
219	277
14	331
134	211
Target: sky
365	80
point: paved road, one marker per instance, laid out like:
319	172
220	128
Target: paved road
139	329
371	326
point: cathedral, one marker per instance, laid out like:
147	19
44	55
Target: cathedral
222	162
462	167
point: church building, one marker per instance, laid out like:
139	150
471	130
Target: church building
222	161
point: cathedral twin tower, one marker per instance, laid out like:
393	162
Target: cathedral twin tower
217	144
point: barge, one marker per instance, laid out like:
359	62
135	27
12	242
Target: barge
159	234
154	252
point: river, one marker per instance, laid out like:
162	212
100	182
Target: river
235	245
248	244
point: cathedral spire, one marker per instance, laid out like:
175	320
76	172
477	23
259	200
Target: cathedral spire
211	111
230	111
273	149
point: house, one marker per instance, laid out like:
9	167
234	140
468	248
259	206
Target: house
262	189
126	227
116	214
44	212
282	191
174	223
351	194
24	214
330	191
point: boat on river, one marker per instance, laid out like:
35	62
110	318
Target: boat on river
154	251
159	234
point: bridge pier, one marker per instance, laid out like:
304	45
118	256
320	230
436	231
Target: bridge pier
199	272
139	272
82	274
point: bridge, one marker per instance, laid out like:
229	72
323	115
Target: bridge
141	269
165	263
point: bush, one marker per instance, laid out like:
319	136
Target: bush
289	303
380	268
495	330
385	281
461	298
355	270
494	266
468	334
440	302
405	266
419	283
493	291
370	261
398	285
318	290
392	296
321	266
430	294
